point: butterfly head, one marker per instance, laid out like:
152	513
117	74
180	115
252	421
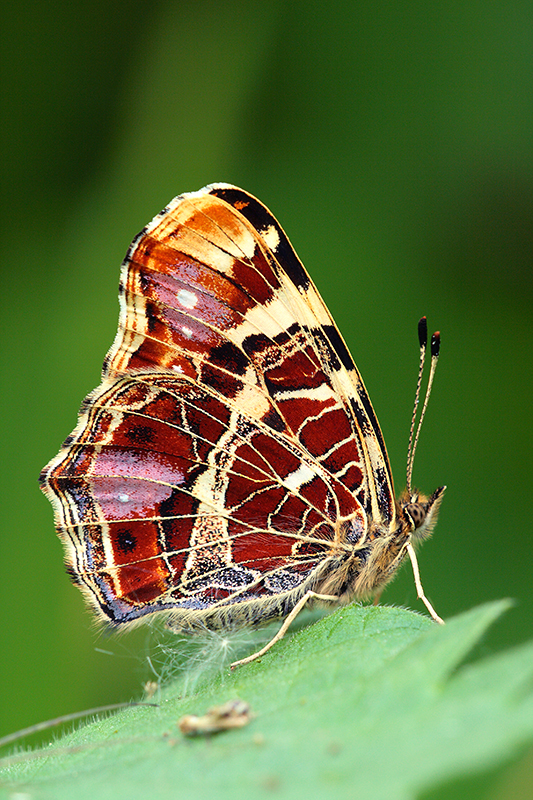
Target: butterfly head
421	512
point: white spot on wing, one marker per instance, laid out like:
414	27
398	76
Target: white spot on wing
302	475
187	299
270	236
252	399
323	392
186	332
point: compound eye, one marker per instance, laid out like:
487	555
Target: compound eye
416	512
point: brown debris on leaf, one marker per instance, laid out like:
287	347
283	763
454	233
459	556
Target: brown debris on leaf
233	714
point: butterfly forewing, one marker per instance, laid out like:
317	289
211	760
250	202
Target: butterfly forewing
231	450
252	305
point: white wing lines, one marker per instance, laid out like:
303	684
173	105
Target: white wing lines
292	445
167	554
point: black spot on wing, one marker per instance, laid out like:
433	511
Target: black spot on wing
175	506
141	435
152	316
283	337
274	421
229	356
126	541
225	384
144	282
261	218
256	343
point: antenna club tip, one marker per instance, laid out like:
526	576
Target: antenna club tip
413	436
423	331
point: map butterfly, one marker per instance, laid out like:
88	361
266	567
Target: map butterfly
230	467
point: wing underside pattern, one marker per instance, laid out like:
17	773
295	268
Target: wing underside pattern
231	448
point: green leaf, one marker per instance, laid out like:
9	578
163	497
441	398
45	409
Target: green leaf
369	702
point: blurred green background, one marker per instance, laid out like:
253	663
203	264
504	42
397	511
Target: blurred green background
393	141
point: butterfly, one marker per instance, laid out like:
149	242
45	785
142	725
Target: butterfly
229	468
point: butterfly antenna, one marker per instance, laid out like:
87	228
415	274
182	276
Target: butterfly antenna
435	349
423	339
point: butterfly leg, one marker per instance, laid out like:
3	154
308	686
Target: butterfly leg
418	584
286	623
